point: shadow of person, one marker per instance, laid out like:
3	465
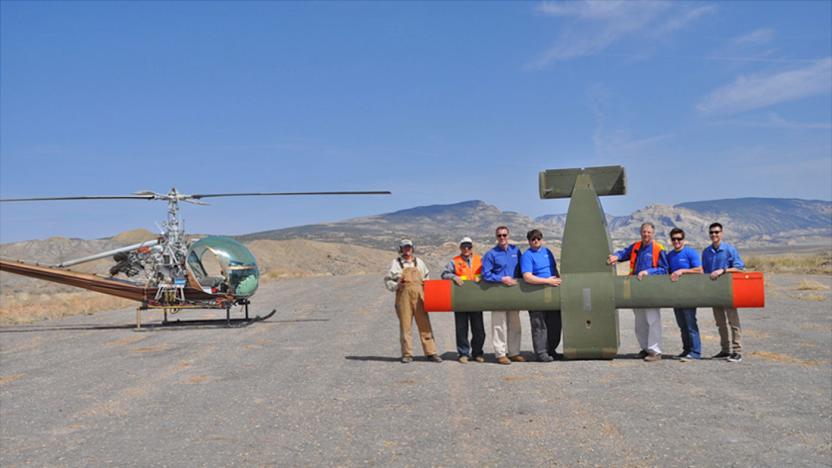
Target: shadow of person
373	358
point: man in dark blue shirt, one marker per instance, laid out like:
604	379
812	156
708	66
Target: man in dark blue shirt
684	260
717	259
539	267
501	265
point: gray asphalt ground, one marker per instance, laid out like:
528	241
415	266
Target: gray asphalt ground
320	384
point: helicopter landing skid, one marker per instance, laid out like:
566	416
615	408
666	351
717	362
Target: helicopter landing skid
173	309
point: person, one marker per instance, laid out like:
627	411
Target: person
717	259
501	265
539	267
467	266
406	277
683	260
647	257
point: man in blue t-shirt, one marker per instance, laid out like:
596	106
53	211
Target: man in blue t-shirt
717	259
683	260
501	265
539	267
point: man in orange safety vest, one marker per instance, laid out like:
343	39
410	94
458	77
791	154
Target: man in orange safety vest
467	266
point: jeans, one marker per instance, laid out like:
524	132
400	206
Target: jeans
546	328
691	344
461	320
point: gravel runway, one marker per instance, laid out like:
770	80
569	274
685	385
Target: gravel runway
320	384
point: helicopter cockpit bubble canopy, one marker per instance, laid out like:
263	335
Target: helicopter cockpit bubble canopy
217	261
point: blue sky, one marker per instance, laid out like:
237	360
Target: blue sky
438	102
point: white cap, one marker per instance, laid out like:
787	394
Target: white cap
405	242
466	240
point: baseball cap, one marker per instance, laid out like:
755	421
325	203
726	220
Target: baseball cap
466	240
405	242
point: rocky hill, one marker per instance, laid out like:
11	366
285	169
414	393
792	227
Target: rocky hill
749	222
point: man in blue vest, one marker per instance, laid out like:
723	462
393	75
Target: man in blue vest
647	257
684	260
501	264
717	259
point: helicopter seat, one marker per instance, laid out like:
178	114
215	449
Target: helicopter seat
211	281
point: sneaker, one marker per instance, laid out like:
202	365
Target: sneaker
463	359
736	357
407	359
517	358
503	360
682	354
480	358
689	357
653	357
642	354
721	355
434	358
544	358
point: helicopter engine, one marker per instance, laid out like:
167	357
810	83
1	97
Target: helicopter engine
127	263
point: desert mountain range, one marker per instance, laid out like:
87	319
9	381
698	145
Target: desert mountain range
749	222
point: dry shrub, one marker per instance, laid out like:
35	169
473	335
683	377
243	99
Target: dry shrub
812	297
811	285
26	307
812	264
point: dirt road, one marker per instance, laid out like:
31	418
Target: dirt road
320	384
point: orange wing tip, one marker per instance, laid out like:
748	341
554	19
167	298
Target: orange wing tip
438	296
748	289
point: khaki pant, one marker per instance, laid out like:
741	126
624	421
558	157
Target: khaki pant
410	305
733	320
505	332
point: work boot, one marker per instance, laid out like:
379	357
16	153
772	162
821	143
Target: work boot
480	358
463	359
407	359
503	360
434	358
517	358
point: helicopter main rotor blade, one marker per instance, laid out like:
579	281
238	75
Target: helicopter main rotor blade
94	197
259	194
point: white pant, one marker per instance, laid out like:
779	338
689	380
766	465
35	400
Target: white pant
505	327
649	329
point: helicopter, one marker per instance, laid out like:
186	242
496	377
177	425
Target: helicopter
171	272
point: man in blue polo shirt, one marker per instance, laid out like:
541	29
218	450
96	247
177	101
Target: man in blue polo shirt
501	265
539	267
647	257
684	260
717	259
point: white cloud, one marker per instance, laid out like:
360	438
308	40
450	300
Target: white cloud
760	36
774	120
599	24
757	91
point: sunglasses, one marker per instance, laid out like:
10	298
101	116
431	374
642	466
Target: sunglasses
466	246
714	232
677	239
502	235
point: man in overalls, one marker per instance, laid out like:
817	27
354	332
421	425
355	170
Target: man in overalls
406	277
